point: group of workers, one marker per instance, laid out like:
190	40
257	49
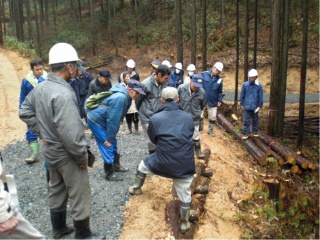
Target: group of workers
170	111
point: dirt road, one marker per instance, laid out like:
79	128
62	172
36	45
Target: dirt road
11	127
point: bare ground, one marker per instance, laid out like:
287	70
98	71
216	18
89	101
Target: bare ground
234	169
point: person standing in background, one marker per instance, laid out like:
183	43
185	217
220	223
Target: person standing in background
213	85
191	70
31	80
101	84
131	68
251	101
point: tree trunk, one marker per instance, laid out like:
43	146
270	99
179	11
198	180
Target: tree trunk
54	16
179	31
275	72
193	32
1	21
29	20
3	18
237	56
46	11
305	5
93	41
255	44
204	35
246	42
38	45
79	9
284	66
222	21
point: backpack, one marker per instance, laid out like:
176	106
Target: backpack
95	99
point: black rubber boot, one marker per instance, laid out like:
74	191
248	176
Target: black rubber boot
136	128
117	166
110	173
59	226
82	230
197	147
129	128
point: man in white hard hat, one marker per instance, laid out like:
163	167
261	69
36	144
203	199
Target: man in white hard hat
131	68
191	69
51	111
251	101
212	84
177	75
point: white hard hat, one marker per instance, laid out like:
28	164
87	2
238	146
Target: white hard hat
253	73
131	64
219	66
62	53
178	66
167	63
191	68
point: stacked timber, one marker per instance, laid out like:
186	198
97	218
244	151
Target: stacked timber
199	190
264	146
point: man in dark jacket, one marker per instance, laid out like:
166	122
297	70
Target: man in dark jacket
251	101
213	85
100	84
83	80
171	130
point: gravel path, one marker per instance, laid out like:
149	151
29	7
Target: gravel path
108	198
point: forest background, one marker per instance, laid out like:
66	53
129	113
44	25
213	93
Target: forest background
279	38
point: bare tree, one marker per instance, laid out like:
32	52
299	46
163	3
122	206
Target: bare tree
204	35
237	56
275	71
222	18
193	31
246	41
29	19
1	21
79	8
92	23
283	66
255	44
179	31
305	12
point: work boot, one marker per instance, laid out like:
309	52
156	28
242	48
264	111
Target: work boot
129	128
58	221
210	130
117	166
110	173
184	216
197	147
82	230
138	181
136	128
34	147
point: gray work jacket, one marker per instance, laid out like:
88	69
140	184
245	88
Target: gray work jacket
192	103
51	111
150	103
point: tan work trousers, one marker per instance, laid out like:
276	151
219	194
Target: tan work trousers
70	181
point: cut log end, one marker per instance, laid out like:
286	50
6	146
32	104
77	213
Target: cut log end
294	169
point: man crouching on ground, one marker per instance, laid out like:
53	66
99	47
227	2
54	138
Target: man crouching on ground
170	124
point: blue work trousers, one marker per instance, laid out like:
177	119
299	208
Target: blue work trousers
100	134
247	116
31	136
